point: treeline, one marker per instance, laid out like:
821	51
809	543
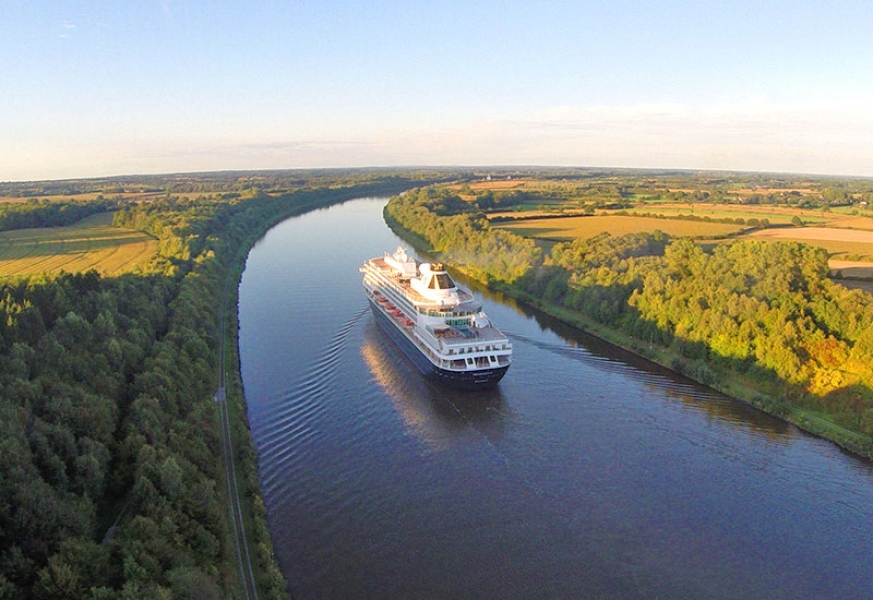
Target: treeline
764	313
110	471
622	188
752	222
33	214
490	200
456	229
182	226
274	182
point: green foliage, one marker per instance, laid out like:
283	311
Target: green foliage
105	383
767	310
107	416
62	394
49	214
761	310
462	236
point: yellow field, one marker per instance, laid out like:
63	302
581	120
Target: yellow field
777	215
86	197
853	269
502	184
841	244
90	244
571	228
851	250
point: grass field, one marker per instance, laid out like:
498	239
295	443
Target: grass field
90	244
571	228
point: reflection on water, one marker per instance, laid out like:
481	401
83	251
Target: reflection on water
660	380
432	413
587	472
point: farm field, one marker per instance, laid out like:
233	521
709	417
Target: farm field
843	245
776	215
93	243
566	229
853	269
831	234
87	197
850	250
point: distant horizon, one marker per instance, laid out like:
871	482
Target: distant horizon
496	168
98	89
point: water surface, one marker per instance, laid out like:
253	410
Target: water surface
587	472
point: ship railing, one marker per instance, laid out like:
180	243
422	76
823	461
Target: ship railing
445	312
426	332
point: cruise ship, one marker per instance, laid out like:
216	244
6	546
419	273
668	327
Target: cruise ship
438	324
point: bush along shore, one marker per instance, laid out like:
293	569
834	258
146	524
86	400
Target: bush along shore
111	478
759	321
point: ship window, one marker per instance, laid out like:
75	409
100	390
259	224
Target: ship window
444	281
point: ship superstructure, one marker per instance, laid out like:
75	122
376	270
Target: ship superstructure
437	323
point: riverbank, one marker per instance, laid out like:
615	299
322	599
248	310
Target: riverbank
730	384
581	444
256	539
787	343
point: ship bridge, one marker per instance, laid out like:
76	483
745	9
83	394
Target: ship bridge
436	285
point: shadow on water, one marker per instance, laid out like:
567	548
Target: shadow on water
605	356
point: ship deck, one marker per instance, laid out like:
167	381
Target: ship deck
417	299
461	336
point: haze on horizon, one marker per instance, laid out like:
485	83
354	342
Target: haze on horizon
99	88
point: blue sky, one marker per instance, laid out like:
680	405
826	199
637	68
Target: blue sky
100	87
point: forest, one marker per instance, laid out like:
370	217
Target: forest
759	320
111	481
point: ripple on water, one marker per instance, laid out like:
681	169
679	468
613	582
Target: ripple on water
586	473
